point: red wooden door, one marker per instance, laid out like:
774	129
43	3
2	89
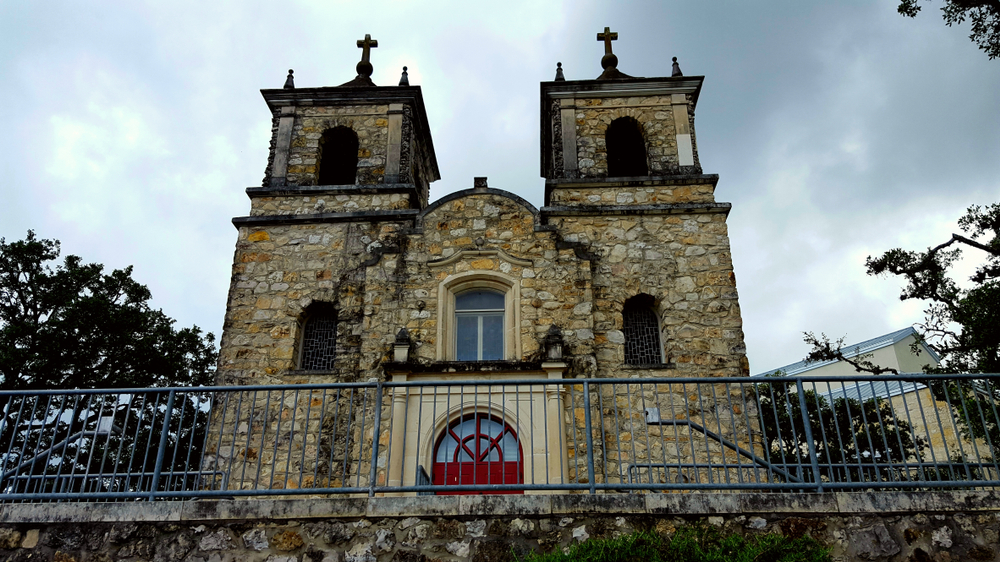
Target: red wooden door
478	450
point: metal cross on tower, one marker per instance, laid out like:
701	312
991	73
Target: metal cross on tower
608	36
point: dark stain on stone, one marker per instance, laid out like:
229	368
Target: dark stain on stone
910	535
797	527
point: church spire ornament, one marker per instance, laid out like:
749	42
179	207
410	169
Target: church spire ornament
364	68
609	62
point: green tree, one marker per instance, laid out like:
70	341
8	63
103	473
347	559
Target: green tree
960	323
854	441
70	325
983	16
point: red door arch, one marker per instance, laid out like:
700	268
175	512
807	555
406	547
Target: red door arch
478	449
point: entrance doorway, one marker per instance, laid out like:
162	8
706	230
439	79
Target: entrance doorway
478	449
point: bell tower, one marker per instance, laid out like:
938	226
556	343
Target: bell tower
352	137
624	186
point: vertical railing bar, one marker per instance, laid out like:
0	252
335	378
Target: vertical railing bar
576	444
708	452
345	481
616	429
333	438
677	435
881	429
161	451
319	442
990	390
376	429
531	424
305	438
694	453
420	420
986	433
927	431
746	418
28	482
660	430
913	429
968	422
177	442
839	433
822	432
731	414
642	401
93	446
807	429
219	465
149	440
63	482
237	414
406	423
90	456
277	438
107	445
718	425
291	435
65	443
199	402
795	435
958	433
13	428
363	392
590	437
139	417
854	437
899	436
544	396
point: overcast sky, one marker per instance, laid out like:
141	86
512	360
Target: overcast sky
131	129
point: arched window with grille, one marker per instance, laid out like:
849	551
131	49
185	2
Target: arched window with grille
642	332
626	148
318	348
478	449
338	157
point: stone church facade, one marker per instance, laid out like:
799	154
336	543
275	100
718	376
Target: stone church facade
345	271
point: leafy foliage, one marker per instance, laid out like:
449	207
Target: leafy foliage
853	440
983	15
690	544
73	326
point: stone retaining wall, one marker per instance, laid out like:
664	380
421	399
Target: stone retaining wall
895	526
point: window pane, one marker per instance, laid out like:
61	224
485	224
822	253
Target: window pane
479	300
467	337
492	337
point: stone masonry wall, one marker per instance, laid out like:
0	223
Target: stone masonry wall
700	193
327	203
892	527
654	113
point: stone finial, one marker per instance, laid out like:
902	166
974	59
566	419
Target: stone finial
290	81
401	347
366	45
479	183
676	69
559	73
554	344
404	79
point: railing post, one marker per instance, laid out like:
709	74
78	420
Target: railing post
162	451
590	437
807	427
376	429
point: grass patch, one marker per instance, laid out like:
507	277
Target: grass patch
690	544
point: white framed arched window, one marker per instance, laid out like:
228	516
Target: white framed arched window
479	325
478	317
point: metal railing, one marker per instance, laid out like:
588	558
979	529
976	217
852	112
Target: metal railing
805	433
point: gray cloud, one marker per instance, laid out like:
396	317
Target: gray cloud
838	130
